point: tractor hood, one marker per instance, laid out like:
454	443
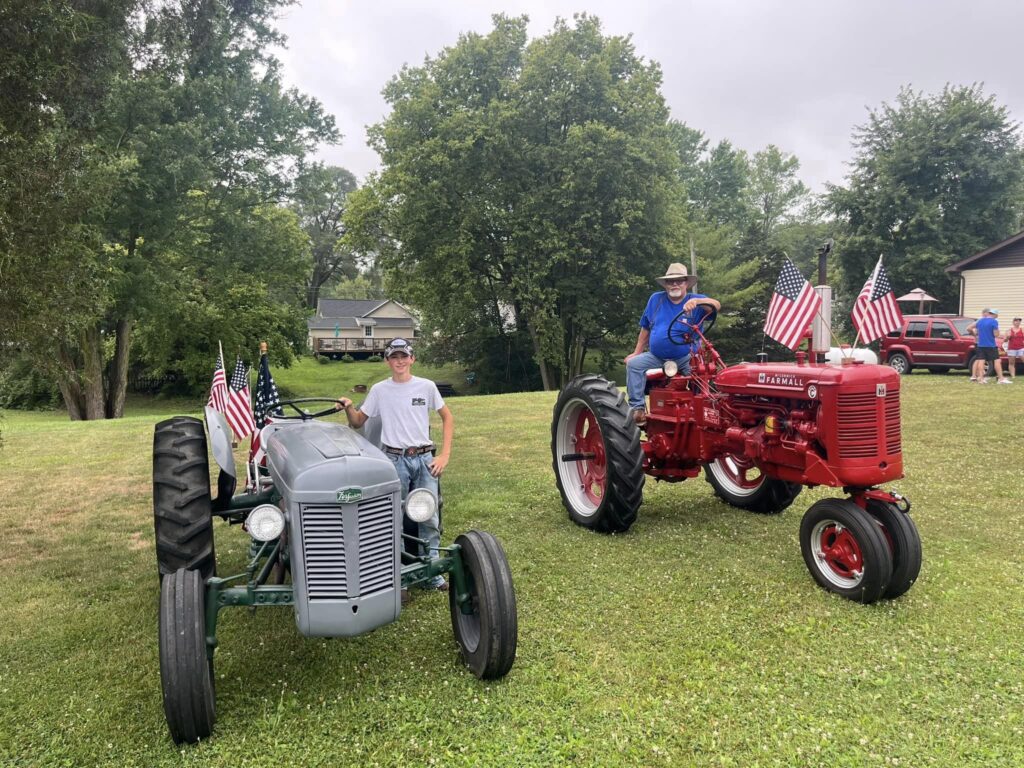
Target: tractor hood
790	380
314	462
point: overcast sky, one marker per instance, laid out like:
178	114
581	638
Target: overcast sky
799	74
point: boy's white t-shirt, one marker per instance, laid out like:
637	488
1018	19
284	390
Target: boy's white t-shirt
404	410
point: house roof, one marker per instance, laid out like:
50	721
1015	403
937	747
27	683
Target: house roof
987	252
328	323
348	307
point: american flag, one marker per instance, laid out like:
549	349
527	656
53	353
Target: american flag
875	312
239	411
219	389
267	400
793	306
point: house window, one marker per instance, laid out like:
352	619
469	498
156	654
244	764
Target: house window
368	331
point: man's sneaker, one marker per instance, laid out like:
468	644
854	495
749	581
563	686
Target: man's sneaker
438	583
1005	381
983	381
639	416
974	378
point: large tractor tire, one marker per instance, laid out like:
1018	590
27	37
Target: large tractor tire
845	550
737	481
488	634
904	544
182	514
186	671
596	455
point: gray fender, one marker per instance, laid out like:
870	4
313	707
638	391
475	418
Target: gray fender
371	430
220	440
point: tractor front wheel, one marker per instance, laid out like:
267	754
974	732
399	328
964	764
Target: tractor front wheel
904	542
182	509
596	455
488	634
186	671
845	550
738	481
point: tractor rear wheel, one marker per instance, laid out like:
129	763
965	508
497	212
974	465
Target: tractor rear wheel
904	543
182	514
186	671
488	634
596	455
737	481
845	550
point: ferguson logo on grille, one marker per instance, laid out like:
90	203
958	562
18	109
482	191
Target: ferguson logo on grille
780	380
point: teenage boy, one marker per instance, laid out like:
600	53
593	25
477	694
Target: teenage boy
403	403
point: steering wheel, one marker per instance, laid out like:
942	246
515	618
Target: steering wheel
304	415
680	330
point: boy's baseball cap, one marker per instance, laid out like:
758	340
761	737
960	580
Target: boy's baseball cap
397	346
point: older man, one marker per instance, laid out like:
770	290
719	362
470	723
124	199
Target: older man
662	308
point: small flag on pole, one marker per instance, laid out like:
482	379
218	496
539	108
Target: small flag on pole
266	407
239	410
793	306
219	388
875	312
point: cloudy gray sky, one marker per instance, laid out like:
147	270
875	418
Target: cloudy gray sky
796	73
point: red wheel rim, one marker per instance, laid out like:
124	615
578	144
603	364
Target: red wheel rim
841	552
587	438
741	472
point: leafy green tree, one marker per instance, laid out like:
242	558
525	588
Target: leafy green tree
319	198
197	134
773	189
526	189
935	179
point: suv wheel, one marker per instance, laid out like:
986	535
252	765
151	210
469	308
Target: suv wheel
900	363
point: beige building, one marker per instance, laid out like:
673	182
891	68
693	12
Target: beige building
993	278
358	327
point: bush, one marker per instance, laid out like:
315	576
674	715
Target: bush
347	358
23	386
323	359
374	359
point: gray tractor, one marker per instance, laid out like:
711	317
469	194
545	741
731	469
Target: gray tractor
326	529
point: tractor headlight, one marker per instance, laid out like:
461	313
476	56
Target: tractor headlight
265	522
671	368
420	505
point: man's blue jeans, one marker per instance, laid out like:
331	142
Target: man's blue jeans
413	473
636	375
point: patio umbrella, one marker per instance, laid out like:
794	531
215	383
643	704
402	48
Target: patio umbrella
918	295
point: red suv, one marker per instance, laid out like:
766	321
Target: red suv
936	342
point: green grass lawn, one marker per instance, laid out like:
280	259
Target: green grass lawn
697	638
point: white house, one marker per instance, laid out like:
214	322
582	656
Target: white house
359	327
993	278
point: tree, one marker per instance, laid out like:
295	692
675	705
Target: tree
935	179
320	198
774	190
526	189
194	135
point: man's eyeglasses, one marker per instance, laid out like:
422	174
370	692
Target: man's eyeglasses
675	281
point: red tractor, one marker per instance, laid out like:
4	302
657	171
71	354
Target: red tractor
760	432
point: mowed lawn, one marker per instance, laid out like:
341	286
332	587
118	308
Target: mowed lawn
697	638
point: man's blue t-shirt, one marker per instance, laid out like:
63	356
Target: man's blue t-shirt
660	313
987	328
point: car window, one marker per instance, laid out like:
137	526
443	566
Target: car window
962	324
941	330
916	330
895	334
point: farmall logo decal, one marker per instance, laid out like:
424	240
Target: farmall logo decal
879	390
782	380
349	495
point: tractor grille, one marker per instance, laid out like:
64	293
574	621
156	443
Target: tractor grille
892	423
376	545
323	543
861	433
